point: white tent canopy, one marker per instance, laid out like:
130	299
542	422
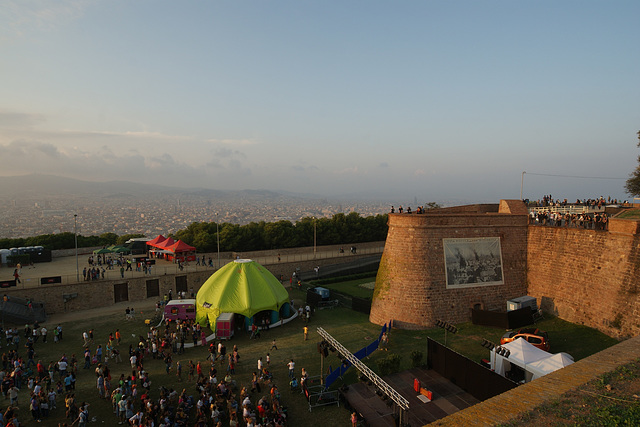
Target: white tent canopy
532	360
544	366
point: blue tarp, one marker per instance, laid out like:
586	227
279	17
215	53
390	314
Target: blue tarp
360	354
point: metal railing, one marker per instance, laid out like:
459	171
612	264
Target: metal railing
568	209
190	267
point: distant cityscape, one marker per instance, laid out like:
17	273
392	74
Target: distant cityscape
157	215
34	205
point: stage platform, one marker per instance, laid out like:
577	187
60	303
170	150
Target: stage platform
447	399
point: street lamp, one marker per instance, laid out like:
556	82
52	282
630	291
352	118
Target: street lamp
314	237
522	184
75	236
218	238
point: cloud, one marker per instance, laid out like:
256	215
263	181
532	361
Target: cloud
383	165
236	142
29	156
21	18
348	171
300	168
131	134
9	119
24	149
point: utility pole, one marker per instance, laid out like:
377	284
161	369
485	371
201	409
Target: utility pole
218	238
75	235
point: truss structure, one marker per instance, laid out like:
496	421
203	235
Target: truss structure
364	369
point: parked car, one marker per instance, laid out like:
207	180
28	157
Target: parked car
534	336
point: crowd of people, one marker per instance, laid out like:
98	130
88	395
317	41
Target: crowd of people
20	371
549	201
419	210
596	221
214	397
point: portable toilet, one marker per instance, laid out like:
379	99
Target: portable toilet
4	253
224	326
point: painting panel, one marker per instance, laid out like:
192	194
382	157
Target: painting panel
473	262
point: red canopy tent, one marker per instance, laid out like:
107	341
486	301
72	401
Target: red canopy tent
158	247
181	251
171	250
166	243
154	242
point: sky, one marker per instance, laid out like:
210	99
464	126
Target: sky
437	100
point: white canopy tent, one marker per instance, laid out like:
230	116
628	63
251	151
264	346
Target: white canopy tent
544	366
532	360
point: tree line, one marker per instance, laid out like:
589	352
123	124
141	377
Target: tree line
339	229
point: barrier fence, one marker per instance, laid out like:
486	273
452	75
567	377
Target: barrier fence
163	268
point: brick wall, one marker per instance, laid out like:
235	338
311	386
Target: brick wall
101	293
588	277
411	280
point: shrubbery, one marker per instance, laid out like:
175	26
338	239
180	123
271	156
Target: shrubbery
389	365
416	358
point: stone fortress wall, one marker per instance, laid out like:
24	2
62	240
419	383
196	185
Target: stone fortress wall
588	277
102	293
411	282
583	276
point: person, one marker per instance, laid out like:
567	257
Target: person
354	419
273	344
305	330
16	275
384	341
292	366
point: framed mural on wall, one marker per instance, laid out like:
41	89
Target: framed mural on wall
473	262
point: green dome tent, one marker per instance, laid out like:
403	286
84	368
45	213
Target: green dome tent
243	287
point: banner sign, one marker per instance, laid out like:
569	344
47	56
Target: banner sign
473	262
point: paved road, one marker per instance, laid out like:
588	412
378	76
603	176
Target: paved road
66	266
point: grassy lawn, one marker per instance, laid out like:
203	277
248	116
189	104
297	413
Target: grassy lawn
351	328
360	288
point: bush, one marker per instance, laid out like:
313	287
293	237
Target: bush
416	358
389	365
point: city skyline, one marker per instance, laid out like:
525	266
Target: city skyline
433	100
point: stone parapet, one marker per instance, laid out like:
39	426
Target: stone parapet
411	282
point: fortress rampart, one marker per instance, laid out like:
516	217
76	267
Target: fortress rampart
411	285
583	276
588	277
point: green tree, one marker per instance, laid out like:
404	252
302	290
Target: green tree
107	239
280	234
633	183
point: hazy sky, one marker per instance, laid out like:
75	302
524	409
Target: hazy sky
432	99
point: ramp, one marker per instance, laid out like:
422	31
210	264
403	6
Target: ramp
17	311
